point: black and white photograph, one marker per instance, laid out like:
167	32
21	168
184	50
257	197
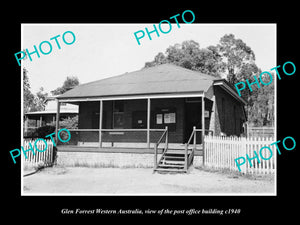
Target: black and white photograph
143	109
137	112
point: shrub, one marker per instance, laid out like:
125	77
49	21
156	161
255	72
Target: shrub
69	123
41	132
30	134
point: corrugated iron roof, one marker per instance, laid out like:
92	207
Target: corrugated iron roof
165	78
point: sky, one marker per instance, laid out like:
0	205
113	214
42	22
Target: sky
105	50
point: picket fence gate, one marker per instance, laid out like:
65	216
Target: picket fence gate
220	153
45	156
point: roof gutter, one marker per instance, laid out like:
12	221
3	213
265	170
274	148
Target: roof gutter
129	97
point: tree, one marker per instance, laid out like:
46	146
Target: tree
68	84
238	61
235	54
32	102
190	56
40	100
261	106
247	71
230	57
70	122
28	97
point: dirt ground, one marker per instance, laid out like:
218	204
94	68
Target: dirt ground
119	181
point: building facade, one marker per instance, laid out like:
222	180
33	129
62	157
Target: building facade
135	108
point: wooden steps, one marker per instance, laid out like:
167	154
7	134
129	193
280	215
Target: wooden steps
177	151
173	161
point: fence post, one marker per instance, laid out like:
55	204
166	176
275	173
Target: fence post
186	157
100	122
148	121
57	120
244	152
207	151
51	154
194	132
167	139
155	156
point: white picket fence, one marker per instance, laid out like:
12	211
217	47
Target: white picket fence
45	156
221	152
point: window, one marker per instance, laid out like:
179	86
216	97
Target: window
118	114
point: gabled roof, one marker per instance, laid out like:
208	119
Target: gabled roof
229	88
161	79
165	78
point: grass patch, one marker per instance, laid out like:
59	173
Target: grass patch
237	174
28	166
108	165
56	170
137	166
94	165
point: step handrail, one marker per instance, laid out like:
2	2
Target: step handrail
189	159
165	134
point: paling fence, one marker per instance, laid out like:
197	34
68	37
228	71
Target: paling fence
221	152
36	157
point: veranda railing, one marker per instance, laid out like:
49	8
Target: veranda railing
118	131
